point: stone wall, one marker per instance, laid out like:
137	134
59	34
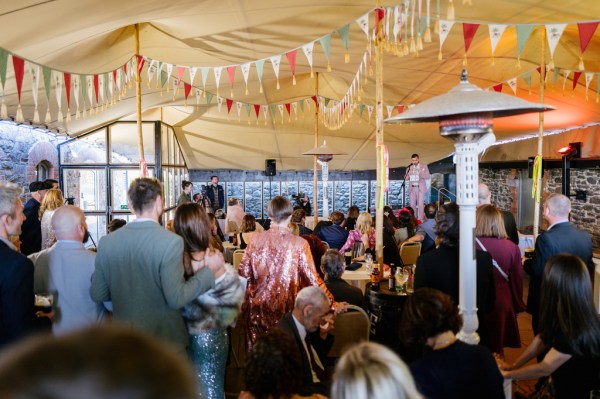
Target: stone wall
503	186
22	148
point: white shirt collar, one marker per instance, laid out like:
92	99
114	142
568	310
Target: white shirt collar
300	327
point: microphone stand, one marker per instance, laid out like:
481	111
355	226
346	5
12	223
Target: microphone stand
404	186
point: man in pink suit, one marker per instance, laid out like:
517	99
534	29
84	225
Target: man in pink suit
416	176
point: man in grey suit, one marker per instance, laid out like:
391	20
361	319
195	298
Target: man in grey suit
68	267
140	269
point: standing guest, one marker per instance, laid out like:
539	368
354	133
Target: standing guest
417	175
406	226
277	265
31	236
372	371
570	327
304	203
561	237
216	233
209	314
335	235
140	269
510	225
310	324
16	271
51	202
389	212
350	221
426	232
299	218
186	193
202	199
317	250
70	267
333	266
363	232
449	368
235	214
508	277
115	225
53	182
215	194
439	268
248	229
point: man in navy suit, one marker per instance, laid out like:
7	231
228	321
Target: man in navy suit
335	235
561	237
16	271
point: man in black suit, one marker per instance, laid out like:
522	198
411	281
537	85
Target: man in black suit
215	194
485	197
332	265
31	235
16	271
439	268
335	235
309	324
561	237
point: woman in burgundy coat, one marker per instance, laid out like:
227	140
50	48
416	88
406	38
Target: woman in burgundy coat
508	276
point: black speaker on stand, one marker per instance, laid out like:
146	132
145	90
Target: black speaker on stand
270	170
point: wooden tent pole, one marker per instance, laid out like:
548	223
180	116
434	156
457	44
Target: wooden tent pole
379	196
538	177
138	98
315	195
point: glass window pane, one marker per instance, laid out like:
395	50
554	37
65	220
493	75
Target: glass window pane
253	199
96	225
342	196
87	187
171	147
288	189
235	190
124	143
120	179
359	194
88	149
372	190
164	143
395	194
268	193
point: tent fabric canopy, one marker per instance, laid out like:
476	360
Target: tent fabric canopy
90	37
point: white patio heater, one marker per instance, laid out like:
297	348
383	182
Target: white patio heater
465	116
324	155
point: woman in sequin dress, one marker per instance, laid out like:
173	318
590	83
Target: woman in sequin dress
51	202
208	316
278	265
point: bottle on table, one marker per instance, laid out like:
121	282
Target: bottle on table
391	278
375	277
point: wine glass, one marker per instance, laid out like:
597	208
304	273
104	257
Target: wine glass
402	275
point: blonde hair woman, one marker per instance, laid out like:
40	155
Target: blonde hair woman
51	202
363	232
369	371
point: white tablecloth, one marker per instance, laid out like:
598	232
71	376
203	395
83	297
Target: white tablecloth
360	277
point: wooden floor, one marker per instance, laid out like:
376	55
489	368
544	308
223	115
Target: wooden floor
234	377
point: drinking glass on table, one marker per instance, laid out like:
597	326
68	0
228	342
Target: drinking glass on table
369	262
402	275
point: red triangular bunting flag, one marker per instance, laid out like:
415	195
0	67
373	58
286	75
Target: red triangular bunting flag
287	106
469	33
586	31
257	109
68	88
19	65
400	108
186	89
141	61
229	104
539	69
291	57
231	73
379	15
96	87
125	69
115	78
314	98
498	87
576	76
180	71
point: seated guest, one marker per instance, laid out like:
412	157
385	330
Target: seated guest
272	369
406	226
309	324
320	225
426	232
334	235
299	218
235	214
248	229
372	371
448	368
100	362
217	239
391	254
350	221
439	268
333	266
363	232
317	250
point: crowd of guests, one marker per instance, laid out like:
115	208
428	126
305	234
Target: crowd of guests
175	286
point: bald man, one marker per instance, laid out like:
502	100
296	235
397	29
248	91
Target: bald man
69	272
485	197
561	237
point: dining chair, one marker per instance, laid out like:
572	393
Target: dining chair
351	328
409	252
237	258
